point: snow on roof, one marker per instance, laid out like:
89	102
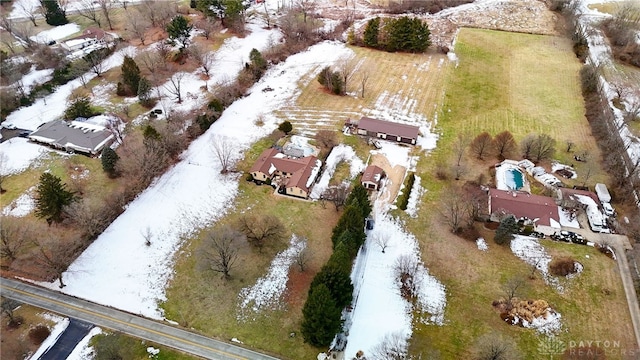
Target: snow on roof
372	174
56	33
566	219
596	218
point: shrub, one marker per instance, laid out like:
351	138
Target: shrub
504	233
563	266
39	334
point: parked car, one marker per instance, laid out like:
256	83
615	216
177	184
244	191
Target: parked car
608	209
369	224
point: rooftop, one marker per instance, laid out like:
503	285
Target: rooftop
522	204
388	127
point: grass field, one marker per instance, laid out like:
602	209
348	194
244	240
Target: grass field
521	83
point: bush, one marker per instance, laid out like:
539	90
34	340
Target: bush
39	334
563	266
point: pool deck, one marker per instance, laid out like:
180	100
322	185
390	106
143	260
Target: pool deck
502	176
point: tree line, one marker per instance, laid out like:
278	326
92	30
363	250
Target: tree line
408	34
331	289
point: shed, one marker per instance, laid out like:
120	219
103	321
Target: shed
372	176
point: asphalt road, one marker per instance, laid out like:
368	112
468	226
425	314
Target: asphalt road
75	331
127	323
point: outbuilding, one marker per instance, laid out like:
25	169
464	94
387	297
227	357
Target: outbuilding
387	130
372	176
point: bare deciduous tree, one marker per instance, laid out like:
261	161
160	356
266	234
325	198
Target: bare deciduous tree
89	10
481	145
305	7
405	271
393	346
513	287
147	235
261	230
496	347
8	306
302	258
346	68
218	251
54	258
94	60
137	25
174	87
326	138
460	147
30	10
504	145
544	147
106	6
570	144
454	209
203	57
337	195
13	237
206	26
92	216
365	71
224	149
381	240
526	145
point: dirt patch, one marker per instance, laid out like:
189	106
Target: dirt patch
297	286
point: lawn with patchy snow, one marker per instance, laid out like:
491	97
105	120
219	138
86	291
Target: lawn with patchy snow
339	153
266	293
21	206
118	269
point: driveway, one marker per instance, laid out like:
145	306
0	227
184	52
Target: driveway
75	331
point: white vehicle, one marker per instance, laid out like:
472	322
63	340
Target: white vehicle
608	209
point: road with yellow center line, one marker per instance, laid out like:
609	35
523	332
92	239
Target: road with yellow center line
127	323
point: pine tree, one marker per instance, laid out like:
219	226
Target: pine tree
79	107
53	14
144	91
371	33
109	160
285	127
258	64
504	233
360	196
178	30
351	220
337	281
321	320
52	196
130	75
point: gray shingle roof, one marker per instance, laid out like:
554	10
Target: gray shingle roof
72	135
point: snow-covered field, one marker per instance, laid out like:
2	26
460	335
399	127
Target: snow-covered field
18	154
56	33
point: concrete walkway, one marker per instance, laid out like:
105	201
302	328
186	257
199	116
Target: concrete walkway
127	323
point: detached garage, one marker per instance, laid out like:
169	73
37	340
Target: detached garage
372	177
402	133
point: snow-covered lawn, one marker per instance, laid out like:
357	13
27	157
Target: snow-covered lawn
338	153
118	269
83	351
379	309
57	330
267	292
21	206
414	198
19	154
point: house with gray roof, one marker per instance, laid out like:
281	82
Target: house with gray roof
73	136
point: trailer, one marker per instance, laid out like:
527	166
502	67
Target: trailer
603	193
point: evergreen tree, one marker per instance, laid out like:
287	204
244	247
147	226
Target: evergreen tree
109	160
351	220
324	78
151	136
285	127
321	317
52	196
344	251
53	14
371	33
405	34
144	91
504	233
337	281
360	197
130	75
178	30
258	64
79	107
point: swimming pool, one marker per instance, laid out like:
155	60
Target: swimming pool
514	179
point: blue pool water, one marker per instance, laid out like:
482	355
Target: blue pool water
514	179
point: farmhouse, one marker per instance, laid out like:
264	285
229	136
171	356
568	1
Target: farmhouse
73	136
387	130
372	177
90	40
541	210
293	176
